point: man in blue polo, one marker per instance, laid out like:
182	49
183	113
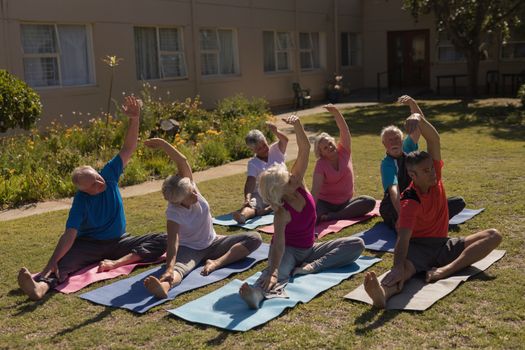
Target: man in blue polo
96	227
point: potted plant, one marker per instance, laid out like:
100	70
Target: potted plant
334	90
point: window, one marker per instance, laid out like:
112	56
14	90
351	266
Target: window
514	48
218	52
446	50
309	51
277	51
56	55
350	49
159	53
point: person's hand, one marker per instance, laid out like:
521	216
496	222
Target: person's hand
412	122
406	100
268	282
167	276
396	276
272	127
131	107
154	142
292	120
51	268
330	108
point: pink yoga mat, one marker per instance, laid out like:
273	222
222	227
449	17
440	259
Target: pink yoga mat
88	275
326	227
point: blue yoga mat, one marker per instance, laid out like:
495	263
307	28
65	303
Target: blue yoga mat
131	294
250	224
224	307
382	238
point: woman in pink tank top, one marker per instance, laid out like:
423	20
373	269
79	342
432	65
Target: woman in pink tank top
333	180
293	250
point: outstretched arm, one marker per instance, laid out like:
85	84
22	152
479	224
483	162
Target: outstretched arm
64	244
282	218
303	153
344	132
171	251
429	133
414	108
131	108
283	139
396	276
183	167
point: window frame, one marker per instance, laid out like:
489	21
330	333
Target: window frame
289	51
320	58
350	49
58	51
160	53
237	65
511	42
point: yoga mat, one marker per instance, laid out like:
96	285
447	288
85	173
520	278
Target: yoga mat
382	238
419	296
464	215
224	307
250	224
131	294
327	227
89	275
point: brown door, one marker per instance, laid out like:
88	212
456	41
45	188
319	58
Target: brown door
408	58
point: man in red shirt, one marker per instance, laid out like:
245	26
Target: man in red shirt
422	243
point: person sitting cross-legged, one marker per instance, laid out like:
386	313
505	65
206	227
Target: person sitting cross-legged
96	227
333	179
265	156
191	236
293	250
422	242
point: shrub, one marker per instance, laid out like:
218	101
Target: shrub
521	95
19	105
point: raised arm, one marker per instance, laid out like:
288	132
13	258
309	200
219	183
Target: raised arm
283	139
183	167
131	108
415	133
344	132
429	133
303	153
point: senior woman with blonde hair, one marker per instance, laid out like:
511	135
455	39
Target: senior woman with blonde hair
191	237
292	250
333	180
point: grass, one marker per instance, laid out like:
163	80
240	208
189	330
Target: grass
483	149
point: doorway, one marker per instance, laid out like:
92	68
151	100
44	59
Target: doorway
408	58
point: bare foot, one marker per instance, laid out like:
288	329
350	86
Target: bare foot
304	269
374	290
237	216
434	275
106	265
34	290
209	267
252	296
156	287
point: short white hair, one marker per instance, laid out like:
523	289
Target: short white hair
390	129
175	188
254	137
322	136
81	172
272	182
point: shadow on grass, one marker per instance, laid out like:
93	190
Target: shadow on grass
373	318
506	121
29	306
106	312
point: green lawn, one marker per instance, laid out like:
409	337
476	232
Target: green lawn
484	153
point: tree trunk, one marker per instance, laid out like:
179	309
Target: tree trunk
473	59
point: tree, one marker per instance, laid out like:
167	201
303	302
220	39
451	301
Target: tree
19	105
467	21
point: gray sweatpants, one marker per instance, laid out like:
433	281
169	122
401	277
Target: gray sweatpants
86	251
331	254
187	258
352	208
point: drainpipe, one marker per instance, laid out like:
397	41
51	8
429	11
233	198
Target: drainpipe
336	40
297	64
196	58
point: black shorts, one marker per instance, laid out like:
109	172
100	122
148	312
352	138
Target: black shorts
426	253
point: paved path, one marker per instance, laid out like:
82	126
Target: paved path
232	168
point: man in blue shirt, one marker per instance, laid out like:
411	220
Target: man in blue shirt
394	175
96	227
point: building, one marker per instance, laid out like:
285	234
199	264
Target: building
218	48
